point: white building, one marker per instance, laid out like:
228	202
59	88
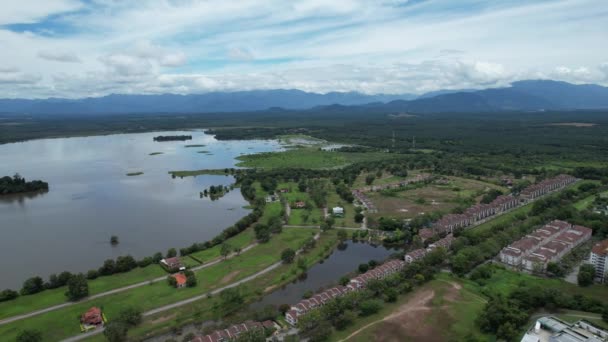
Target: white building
338	211
599	259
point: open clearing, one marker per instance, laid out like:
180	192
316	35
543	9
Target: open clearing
417	199
441	310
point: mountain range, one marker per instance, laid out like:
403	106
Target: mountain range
532	95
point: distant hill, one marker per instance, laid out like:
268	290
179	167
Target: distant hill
240	101
533	95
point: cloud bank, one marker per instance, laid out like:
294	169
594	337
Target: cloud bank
72	48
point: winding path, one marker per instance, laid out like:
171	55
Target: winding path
118	290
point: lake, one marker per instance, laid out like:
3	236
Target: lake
91	198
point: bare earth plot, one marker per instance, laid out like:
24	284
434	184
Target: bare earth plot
439	311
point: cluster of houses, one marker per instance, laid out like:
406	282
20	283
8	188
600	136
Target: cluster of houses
547	244
503	203
355	284
418	254
232	333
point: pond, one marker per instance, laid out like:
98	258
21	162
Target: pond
91	198
341	262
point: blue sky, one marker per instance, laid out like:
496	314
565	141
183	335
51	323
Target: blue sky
78	48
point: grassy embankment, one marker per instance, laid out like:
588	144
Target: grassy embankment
251	291
308	158
44	299
63	323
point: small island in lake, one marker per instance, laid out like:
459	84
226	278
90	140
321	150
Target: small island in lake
18	184
138	173
172	137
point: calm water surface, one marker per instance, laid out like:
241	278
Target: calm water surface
91	199
341	262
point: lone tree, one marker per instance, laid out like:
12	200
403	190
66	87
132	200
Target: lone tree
342	235
130	316
586	274
114	240
116	331
288	255
29	336
225	250
78	287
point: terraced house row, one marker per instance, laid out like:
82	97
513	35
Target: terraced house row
234	331
418	254
356	284
480	212
547	244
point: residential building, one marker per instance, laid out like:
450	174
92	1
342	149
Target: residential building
552	329
92	317
232	332
599	259
547	244
338	211
415	255
173	263
180	279
306	305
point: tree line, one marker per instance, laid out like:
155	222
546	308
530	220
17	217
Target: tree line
18	184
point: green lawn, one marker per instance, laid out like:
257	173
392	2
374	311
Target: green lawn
271	210
241	240
308	158
586	202
24	304
348	220
63	323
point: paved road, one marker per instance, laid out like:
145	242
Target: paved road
192	299
114	291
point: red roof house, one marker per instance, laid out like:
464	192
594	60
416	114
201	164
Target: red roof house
92	317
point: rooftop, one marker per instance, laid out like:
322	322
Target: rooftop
601	248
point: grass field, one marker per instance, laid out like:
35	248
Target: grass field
308	158
241	240
427	198
300	217
586	202
63	323
441	310
348	220
24	304
203	309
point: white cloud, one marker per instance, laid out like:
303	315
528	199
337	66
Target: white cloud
240	54
152	46
63	57
30	11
